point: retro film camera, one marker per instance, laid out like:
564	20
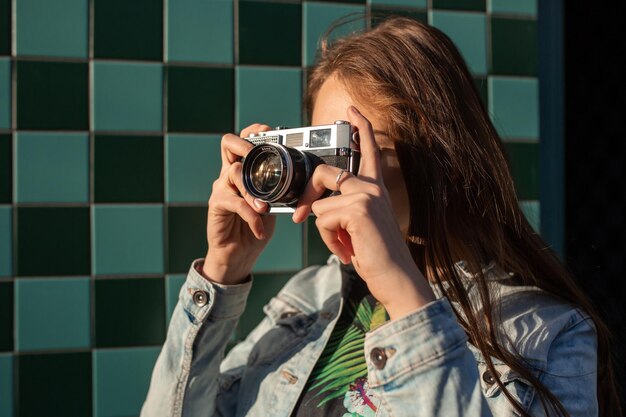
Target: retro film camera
278	168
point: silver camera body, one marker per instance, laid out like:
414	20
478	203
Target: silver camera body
280	165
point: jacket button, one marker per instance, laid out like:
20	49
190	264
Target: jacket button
489	378
200	298
378	357
288	314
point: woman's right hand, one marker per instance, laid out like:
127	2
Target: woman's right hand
237	233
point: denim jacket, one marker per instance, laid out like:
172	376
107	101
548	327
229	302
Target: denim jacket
419	365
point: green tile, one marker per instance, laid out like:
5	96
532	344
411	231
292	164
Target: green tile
200	99
128	239
5	93
264	287
514	106
173	283
187	236
270	33
200	31
6	385
192	163
6	236
52	167
53	241
476	5
47	90
481	85
532	211
48	28
404	3
121	380
284	252
65	323
128	96
467	31
5	27
269	95
6	168
128	29
128	169
316	251
319	17
379	14
524	166
6	316
522	7
130	312
513	46
60	383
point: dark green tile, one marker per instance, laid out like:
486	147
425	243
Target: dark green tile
187	236
54	385
481	85
200	99
128	169
128	29
513	46
6	316
379	14
343	1
478	5
6	168
130	312
52	95
53	241
270	33
317	253
524	165
5	27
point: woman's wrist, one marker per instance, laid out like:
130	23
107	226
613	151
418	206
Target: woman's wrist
223	274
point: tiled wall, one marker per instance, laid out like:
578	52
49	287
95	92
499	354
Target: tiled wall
111	113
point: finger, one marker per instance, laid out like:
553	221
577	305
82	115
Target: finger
233	148
369	165
234	204
254	128
235	179
330	238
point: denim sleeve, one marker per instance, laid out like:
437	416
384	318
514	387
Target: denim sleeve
421	365
185	377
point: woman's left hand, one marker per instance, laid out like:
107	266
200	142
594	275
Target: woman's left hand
359	226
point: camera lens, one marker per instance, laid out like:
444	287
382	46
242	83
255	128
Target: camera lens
275	173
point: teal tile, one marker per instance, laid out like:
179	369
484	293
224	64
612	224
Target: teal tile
186	234
381	13
270	33
474	5
128	96
173	283
6	168
284	252
481	86
121	380
128	239
6	316
48	28
5	93
467	31
128	29
52	167
200	99
514	106
513	46
532	211
318	17
192	163
522	7
269	95
52	313
6	385
523	160
200	31
52	95
6	236
5	27
404	3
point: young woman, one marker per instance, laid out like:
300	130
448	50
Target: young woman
440	300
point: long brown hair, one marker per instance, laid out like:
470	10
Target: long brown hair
462	199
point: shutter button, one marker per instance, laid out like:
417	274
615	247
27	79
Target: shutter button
200	298
378	357
489	378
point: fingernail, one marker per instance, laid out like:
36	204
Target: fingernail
258	204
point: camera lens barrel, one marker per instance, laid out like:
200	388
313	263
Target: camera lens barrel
275	173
